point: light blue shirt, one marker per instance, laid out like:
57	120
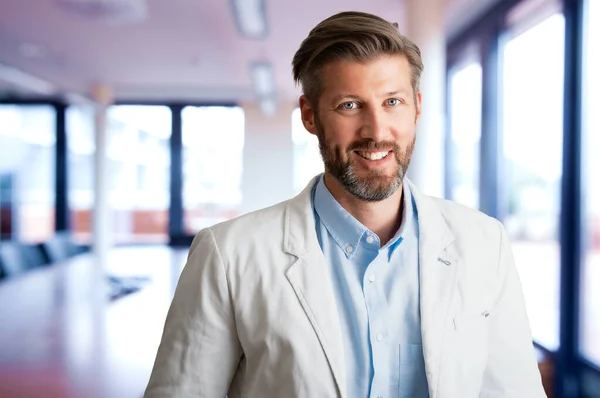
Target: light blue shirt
377	293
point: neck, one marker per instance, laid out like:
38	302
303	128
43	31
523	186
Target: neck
382	218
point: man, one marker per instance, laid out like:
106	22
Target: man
360	286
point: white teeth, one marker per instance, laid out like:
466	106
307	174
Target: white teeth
373	155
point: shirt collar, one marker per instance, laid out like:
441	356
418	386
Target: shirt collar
346	230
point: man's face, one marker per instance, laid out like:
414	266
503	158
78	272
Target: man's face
366	123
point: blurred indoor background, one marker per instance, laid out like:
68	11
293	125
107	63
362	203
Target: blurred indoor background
126	126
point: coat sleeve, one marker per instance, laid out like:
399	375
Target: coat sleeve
199	351
512	370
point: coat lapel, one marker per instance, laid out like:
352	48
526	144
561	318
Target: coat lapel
437	278
311	282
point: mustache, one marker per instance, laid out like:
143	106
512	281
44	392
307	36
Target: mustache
370	145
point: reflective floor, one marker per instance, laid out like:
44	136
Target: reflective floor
61	337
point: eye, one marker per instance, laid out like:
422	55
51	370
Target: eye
393	102
348	106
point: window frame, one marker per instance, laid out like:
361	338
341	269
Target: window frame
487	32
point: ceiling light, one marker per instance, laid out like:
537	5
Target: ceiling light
30	50
263	81
269	106
112	11
26	81
250	17
261	74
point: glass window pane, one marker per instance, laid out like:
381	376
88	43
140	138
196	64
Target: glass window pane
590	306
81	148
532	125
307	157
465	133
139	168
27	171
213	144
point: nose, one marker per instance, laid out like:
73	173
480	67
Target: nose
375	125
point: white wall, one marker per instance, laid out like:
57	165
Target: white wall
425	27
268	157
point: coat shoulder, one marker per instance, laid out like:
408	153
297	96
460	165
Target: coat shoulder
469	223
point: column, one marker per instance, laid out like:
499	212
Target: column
425	26
101	216
268	175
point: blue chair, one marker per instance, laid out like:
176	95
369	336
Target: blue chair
17	258
61	247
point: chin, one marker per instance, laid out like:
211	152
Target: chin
380	174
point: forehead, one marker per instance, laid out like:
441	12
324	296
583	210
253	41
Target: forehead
383	74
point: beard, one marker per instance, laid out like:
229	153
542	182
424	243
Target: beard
375	185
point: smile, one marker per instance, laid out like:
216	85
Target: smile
373	155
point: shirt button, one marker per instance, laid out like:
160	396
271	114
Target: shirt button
370	239
371	278
379	337
349	249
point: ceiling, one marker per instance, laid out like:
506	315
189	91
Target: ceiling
185	49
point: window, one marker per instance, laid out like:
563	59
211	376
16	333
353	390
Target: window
307	157
139	169
80	157
531	168
590	303
465	133
27	171
213	143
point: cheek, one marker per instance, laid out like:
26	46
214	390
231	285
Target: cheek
339	135
404	129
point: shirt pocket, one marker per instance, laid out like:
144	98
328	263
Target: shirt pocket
412	378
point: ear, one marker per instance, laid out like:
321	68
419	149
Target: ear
307	114
418	107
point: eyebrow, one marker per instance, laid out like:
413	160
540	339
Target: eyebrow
394	93
338	98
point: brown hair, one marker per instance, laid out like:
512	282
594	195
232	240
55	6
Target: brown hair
351	36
